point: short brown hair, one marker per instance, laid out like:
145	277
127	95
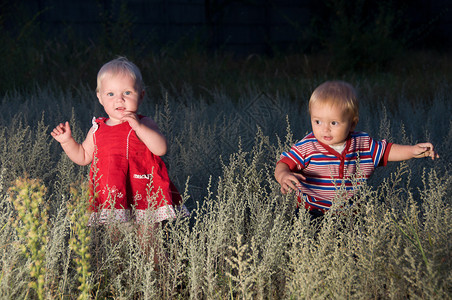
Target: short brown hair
337	93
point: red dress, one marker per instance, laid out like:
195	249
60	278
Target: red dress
128	179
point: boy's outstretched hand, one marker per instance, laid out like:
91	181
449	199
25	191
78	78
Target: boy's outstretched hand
62	133
422	150
405	152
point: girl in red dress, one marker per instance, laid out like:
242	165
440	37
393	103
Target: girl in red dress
129	180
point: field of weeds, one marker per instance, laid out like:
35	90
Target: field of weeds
243	239
227	120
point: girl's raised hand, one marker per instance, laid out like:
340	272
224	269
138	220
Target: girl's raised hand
62	133
147	131
132	118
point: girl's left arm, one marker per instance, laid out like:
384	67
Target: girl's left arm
405	152
148	132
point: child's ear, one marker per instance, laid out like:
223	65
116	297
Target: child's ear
142	96
99	98
354	123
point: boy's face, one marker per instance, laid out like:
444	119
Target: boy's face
118	96
331	124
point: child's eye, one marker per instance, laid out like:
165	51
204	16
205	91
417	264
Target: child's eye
317	122
334	123
127	93
110	94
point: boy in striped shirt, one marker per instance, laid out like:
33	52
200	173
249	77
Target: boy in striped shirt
333	155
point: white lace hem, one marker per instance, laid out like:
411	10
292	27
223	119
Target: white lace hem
106	216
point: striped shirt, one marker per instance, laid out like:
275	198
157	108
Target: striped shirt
330	174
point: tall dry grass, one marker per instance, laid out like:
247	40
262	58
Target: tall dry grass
243	238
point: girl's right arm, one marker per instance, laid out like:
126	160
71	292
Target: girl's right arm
81	154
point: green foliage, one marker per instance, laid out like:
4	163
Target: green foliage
80	237
28	195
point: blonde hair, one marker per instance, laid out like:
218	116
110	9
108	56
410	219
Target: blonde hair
337	93
121	65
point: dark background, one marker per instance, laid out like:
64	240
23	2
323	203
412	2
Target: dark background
223	44
239	27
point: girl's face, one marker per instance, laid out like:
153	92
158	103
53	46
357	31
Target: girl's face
330	124
118	96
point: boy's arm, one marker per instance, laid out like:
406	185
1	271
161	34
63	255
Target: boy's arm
405	152
81	154
286	178
148	132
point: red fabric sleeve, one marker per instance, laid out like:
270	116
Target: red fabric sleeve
384	162
292	165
